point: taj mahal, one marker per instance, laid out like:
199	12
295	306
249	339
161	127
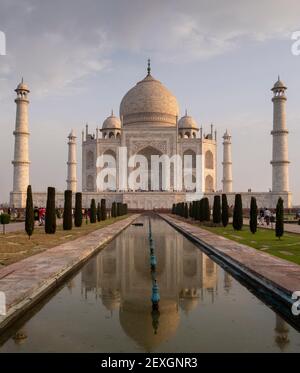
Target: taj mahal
150	123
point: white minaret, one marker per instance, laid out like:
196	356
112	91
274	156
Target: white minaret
280	162
21	152
72	163
227	163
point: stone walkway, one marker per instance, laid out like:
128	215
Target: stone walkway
278	273
27	280
20	226
291	228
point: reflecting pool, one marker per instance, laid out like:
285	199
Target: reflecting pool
106	306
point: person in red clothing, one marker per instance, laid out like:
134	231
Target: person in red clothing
42	212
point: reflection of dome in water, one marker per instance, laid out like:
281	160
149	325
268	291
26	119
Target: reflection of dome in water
188	304
137	322
188	299
282	333
111	299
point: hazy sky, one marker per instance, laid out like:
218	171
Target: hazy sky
219	58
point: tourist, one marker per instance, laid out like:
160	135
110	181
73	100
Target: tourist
261	216
272	219
267	215
42	212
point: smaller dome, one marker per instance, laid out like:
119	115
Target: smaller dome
187	122
279	84
22	87
72	134
111	122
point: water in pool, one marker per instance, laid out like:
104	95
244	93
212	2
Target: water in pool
106	306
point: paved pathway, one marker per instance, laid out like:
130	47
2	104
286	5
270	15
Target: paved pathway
20	226
280	273
292	228
30	278
14	227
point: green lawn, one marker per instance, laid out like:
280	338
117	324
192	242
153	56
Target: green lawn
288	247
16	245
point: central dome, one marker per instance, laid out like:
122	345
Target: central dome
149	102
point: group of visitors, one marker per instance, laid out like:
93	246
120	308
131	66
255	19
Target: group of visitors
39	215
266	216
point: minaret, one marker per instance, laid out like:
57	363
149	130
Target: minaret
280	162
72	163
21	151
227	163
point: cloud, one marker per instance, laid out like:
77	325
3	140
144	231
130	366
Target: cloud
54	44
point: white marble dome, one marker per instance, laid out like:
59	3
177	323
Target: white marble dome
111	122
187	122
149	102
279	84
22	87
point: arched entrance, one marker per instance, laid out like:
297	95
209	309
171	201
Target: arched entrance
148	152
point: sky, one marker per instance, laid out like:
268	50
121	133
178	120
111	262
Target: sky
79	58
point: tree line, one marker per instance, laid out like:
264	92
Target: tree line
200	210
95	213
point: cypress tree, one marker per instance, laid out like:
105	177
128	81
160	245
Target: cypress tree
201	210
225	212
93	212
98	212
193	214
29	214
78	210
186	211
4	220
196	209
206	210
50	217
279	226
119	208
113	210
253	215
238	213
67	215
217	210
103	209
173	208
190	209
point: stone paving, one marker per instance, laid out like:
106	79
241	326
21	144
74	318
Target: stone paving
278	272
291	228
20	226
28	279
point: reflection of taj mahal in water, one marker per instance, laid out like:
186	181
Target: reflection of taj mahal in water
188	281
120	275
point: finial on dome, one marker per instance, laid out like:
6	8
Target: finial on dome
186	112
22	81
149	66
112	112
